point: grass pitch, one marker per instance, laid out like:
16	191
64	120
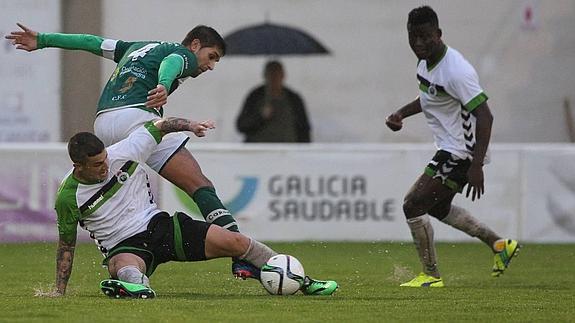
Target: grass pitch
538	286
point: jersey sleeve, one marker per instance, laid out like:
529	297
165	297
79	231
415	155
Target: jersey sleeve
139	145
179	64
190	63
85	42
68	214
465	87
117	49
172	67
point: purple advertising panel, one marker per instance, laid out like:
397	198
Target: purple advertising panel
30	177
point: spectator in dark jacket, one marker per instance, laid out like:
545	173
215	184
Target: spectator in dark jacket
272	112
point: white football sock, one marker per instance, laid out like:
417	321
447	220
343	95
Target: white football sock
258	253
131	274
422	233
461	219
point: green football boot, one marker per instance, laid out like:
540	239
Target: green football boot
424	280
318	287
503	258
119	289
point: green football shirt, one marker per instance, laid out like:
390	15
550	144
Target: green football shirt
138	70
141	66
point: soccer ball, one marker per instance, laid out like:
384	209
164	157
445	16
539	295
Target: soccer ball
282	275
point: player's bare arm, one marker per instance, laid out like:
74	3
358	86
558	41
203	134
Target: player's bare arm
25	39
475	185
64	261
395	120
173	124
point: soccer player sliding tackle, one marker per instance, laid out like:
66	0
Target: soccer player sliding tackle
107	193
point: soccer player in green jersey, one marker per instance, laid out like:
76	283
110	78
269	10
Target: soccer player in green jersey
146	73
107	193
456	110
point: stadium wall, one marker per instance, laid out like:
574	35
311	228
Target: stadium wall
324	192
526	66
522	50
30	96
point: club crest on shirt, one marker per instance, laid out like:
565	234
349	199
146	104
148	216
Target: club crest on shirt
432	90
122	177
128	83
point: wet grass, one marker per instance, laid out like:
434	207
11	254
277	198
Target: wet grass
539	286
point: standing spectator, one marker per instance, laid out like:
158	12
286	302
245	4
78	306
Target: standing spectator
272	112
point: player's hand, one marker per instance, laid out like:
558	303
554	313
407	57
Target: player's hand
200	128
25	39
394	122
475	182
157	97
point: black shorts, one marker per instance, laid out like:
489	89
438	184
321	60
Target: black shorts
177	238
450	169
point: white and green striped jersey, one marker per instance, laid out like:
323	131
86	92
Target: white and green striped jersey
120	206
449	91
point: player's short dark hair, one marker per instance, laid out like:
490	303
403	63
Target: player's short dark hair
272	66
83	145
207	36
423	15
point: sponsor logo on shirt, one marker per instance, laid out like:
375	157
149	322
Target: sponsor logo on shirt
139	72
100	198
186	63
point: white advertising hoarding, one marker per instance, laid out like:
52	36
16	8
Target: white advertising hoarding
331	192
319	192
30	94
548	203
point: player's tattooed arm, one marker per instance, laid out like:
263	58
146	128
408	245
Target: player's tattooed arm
173	124
64	261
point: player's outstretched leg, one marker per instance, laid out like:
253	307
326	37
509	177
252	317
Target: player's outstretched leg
248	265
318	287
214	212
120	289
505	249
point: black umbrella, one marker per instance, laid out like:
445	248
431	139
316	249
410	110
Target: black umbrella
272	39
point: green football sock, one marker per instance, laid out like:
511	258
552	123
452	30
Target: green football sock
213	210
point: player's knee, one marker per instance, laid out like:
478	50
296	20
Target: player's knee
197	181
193	183
440	212
412	208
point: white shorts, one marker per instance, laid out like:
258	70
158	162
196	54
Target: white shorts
113	126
